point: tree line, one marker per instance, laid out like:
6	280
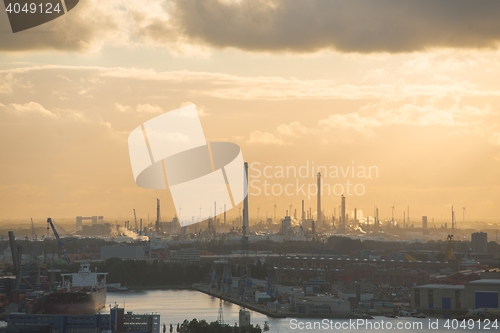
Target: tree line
161	274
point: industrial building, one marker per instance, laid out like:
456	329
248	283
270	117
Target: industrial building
286	227
262	297
117	321
482	294
493	273
95	220
479	242
185	255
124	251
478	294
439	297
318	305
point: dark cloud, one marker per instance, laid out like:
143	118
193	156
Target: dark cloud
268	25
82	28
346	25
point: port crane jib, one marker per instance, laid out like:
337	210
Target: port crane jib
59	241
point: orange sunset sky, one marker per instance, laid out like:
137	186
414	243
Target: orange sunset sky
409	87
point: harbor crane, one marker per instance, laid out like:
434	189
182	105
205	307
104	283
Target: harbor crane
59	241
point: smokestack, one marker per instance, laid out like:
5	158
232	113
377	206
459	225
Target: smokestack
374	215
343	215
157	224
318	224
355	216
452	219
408	215
224	214
140	230
303	213
245	226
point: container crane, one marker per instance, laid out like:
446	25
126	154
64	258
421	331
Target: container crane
59	241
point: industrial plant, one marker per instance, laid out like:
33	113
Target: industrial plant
303	265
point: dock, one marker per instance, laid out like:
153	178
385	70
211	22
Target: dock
284	314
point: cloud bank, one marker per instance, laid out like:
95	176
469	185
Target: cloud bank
361	26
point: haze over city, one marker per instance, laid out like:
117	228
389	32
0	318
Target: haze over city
293	83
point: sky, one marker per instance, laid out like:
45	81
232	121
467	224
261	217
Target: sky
405	89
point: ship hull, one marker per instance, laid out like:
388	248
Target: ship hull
75	302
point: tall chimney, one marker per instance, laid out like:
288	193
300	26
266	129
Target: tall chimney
303	213
452	218
318	224
245	226
333	216
343	215
157	224
215	213
408	217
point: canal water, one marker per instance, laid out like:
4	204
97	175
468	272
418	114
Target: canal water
176	305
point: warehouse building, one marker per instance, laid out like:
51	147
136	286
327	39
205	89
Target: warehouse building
123	251
438	297
318	305
185	255
478	294
482	294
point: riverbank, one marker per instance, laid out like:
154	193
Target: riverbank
285	314
247	305
165	287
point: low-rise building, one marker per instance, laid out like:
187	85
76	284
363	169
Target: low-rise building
261	297
493	273
124	251
318	305
478	294
185	255
117	321
483	294
440	297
